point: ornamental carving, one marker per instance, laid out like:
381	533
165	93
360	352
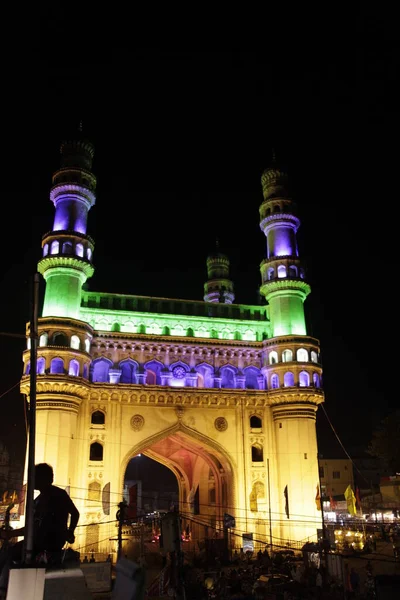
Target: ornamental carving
221	424
179	372
137	422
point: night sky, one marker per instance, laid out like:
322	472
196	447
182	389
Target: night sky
181	139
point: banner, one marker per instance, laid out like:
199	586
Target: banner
285	493
350	500
358	499
131	511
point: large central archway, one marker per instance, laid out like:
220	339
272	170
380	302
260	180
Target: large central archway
204	474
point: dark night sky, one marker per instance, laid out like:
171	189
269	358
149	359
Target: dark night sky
181	140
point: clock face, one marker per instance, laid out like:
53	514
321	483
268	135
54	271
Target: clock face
179	372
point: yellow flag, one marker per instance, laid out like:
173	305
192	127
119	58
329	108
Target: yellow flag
351	500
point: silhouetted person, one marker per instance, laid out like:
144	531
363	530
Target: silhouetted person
52	509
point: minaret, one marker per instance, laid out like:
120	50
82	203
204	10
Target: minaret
282	273
68	250
218	287
292	362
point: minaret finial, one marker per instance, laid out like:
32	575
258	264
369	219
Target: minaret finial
273	157
217	243
80	127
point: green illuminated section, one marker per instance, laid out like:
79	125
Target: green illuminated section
176	325
287	314
63	292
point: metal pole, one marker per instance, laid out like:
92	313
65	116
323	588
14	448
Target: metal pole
121	518
30	487
269	508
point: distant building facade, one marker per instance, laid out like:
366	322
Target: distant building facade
225	395
335	475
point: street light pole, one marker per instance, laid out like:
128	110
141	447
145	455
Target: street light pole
30	487
269	508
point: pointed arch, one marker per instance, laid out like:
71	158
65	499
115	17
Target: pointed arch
228	376
287	355
273	357
252	375
59	339
99	369
43	340
129	369
75	342
153	370
288	379
179	371
98	417
302	355
40	365
255	422
206	375
73	369
57	366
304	379
96	451
274	381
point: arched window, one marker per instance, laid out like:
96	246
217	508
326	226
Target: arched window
189	332
43	339
228	379
40	365
288	379
251	382
257	453
89	253
79	250
94	491
281	271
55	247
165	330
67	248
287	356
28	368
153	369
96	451
87	345
205	376
45	250
316	380
59	339
302	355
255	422
274	381
304	379
75	342
271	274
57	366
85	371
273	357
73	368
292	271
98	417
116	327
128	371
100	370
314	356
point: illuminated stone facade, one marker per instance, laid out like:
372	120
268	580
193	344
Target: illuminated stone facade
224	395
